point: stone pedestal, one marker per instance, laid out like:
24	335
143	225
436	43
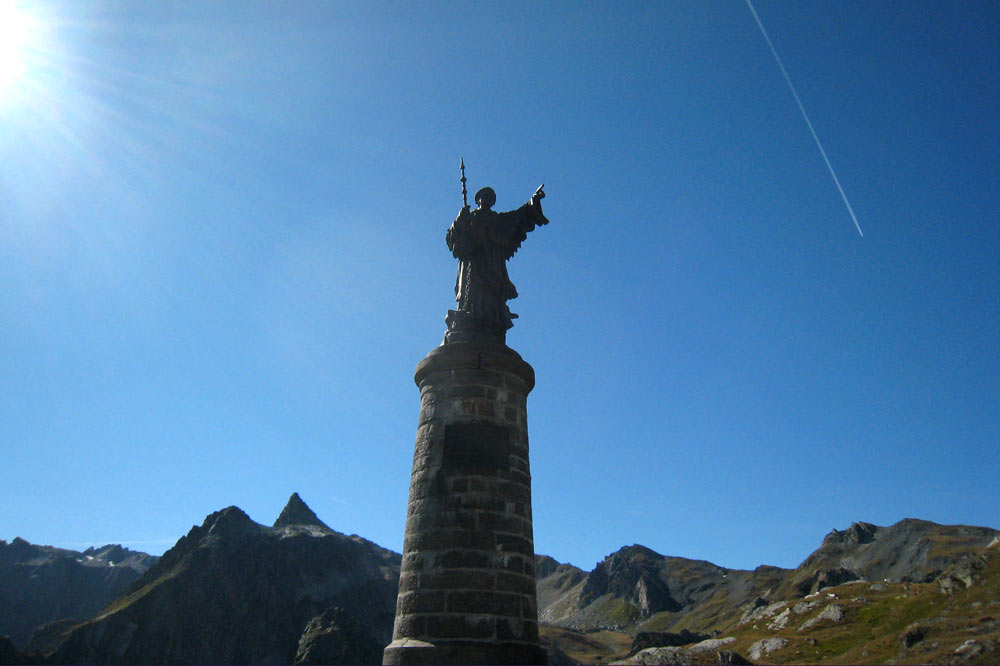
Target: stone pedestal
467	583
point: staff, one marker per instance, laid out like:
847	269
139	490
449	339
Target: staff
465	201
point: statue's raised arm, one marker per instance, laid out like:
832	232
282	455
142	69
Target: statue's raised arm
483	240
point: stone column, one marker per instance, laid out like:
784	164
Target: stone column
467	583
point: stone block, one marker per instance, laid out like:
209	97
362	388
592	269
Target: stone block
482	501
437	539
490	603
461	579
509	629
514	491
501	523
515	385
515	583
520	477
413	562
421	601
409	581
463	559
517	630
460	626
472	376
465	391
450	519
513	563
412	626
529	607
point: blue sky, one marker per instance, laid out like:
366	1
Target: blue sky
222	255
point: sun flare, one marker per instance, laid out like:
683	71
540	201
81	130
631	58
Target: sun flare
15	31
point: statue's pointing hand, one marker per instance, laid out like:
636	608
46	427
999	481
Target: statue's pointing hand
538	195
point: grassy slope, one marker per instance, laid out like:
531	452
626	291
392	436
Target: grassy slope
870	632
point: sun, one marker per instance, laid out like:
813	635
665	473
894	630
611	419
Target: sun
15	33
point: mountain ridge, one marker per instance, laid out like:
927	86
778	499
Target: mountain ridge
34	580
315	589
322	596
637	589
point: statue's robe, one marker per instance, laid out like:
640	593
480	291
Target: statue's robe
483	240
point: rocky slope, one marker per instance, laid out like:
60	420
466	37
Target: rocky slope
951	619
671	601
233	591
40	584
638	589
909	551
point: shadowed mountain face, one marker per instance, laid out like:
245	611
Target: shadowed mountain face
40	584
233	591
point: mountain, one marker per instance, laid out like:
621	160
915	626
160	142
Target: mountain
638	589
234	591
670	601
40	584
909	551
951	619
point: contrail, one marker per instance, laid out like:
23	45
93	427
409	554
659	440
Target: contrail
805	116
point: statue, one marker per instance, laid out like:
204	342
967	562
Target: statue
483	240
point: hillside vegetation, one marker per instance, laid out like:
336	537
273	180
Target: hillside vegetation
927	614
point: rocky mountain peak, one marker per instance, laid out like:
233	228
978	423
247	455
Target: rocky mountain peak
18	548
632	573
297	512
230	522
857	533
109	553
545	565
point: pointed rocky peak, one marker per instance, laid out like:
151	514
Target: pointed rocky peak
297	512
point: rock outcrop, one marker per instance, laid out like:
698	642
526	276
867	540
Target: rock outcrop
336	637
648	639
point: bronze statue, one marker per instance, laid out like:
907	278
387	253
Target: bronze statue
483	240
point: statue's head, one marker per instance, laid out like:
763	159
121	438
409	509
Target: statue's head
486	197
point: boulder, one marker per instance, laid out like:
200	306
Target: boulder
913	635
765	646
648	639
336	637
832	613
